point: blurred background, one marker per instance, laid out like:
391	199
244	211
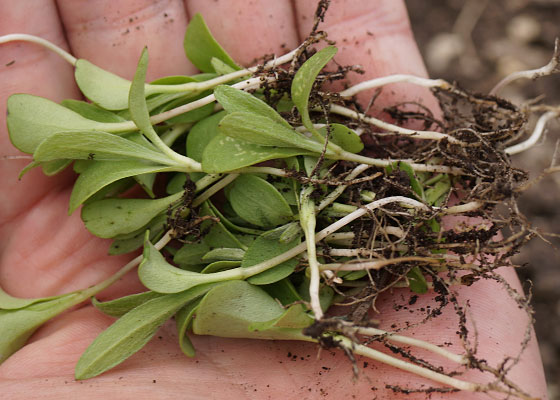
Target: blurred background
476	43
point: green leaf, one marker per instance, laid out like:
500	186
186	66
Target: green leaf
176	183
103	173
258	202
221	67
91	111
224	254
51	168
200	46
326	294
235	100
284	291
201	134
120	306
183	321
294	317
437	194
17	325
230	226
344	137
134	240
102	87
417	281
264	248
218	266
264	131
218	235
92	145
230	309
191	254
304	80
225	154
111	217
415	184
8	302
32	119
137	100
160	276
131	332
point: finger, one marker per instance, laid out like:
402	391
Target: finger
112	34
28	68
376	35
249	29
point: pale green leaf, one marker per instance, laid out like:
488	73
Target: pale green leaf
32	119
92	145
200	46
235	100
230	309
304	80
225	154
122	305
111	217
258	202
183	321
131	332
264	131
103	173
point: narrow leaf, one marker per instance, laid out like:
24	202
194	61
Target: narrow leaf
92	145
131	332
304	80
417	281
103	173
235	100
120	306
183	321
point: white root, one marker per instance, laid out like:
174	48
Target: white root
552	67
402	78
536	135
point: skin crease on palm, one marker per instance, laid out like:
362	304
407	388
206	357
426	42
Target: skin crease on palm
45	252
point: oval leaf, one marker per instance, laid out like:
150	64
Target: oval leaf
111	217
200	46
120	306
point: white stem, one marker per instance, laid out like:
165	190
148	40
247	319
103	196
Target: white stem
431	135
461	208
23	37
375	265
535	136
214	189
377	82
552	67
459	359
164	116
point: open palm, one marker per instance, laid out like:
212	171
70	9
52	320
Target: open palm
45	252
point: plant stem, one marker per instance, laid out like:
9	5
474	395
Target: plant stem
23	37
308	222
214	189
333	195
430	135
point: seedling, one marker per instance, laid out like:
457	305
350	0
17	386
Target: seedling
322	222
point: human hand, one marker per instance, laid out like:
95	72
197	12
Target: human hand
45	252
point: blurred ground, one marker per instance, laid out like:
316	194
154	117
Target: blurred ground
476	43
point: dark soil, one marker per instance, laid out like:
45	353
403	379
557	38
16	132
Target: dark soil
476	43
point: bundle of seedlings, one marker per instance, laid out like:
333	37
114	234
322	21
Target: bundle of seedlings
261	207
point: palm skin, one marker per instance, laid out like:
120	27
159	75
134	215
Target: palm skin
45	252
